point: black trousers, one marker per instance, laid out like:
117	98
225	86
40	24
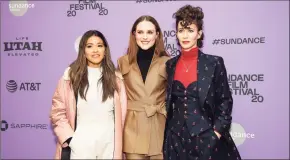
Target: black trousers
65	153
205	146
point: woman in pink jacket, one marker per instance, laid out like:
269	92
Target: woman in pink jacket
89	104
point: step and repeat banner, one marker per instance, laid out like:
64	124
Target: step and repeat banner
39	39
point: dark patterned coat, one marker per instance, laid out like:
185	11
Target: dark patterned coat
214	94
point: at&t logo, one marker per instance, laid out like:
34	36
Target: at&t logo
12	86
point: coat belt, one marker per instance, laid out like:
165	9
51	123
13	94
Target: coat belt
150	109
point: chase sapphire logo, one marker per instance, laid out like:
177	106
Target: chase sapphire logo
11	86
4	125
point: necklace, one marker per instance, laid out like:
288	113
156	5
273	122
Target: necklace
187	68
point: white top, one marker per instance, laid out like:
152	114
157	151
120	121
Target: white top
94	135
92	112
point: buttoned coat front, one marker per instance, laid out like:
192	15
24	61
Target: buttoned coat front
146	113
215	99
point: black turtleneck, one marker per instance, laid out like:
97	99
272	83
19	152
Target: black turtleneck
144	58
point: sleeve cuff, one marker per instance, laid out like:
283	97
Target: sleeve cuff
68	140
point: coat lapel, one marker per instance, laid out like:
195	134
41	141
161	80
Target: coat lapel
138	79
205	72
71	100
150	74
170	69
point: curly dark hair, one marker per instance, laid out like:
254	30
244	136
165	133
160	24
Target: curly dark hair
190	15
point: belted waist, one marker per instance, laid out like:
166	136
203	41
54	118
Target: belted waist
150	109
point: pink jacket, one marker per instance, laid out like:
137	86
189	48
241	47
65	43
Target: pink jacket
63	113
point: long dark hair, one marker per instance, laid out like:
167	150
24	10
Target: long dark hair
133	47
79	72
